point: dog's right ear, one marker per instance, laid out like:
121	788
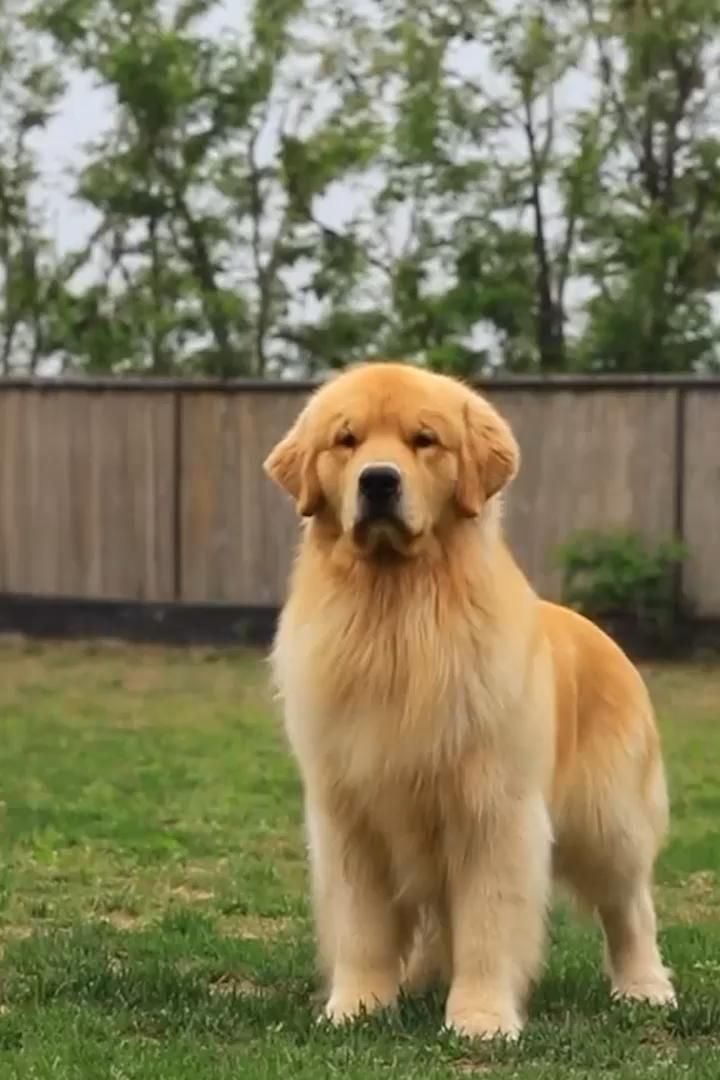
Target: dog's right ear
292	465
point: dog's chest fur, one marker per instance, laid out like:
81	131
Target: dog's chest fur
401	699
396	681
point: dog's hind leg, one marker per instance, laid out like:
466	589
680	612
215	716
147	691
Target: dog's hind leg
607	858
633	957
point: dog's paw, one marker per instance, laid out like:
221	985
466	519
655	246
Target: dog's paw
476	1024
653	989
338	1013
344	1007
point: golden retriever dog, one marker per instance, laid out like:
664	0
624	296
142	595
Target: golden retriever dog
461	742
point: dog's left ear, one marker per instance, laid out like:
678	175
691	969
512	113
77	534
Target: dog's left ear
292	465
489	456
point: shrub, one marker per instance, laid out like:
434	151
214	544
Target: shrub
620	574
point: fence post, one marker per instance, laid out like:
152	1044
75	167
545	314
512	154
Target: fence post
177	466
679	489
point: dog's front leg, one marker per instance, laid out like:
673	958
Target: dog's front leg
499	885
356	919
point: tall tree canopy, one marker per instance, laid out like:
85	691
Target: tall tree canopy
486	186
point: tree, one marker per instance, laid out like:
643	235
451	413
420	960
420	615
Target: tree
655	236
554	170
204	184
490	186
489	182
28	89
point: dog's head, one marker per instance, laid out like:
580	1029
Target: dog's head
389	455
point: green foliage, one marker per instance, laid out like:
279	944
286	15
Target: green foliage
29	89
608	574
655	232
500	186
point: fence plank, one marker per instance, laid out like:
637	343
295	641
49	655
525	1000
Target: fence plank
238	531
86	494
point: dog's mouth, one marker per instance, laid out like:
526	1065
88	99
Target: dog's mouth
382	534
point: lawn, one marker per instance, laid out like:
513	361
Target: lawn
153	910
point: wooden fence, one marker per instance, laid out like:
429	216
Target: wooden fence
135	490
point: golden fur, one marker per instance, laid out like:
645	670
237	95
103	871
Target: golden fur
461	742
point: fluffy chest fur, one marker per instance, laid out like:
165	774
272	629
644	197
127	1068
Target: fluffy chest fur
394	672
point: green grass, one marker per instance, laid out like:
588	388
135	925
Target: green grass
153	910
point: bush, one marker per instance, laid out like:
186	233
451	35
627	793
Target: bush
614	575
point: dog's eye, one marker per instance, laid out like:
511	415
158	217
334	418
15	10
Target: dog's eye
423	439
347	439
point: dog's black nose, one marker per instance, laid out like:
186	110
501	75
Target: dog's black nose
379	483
